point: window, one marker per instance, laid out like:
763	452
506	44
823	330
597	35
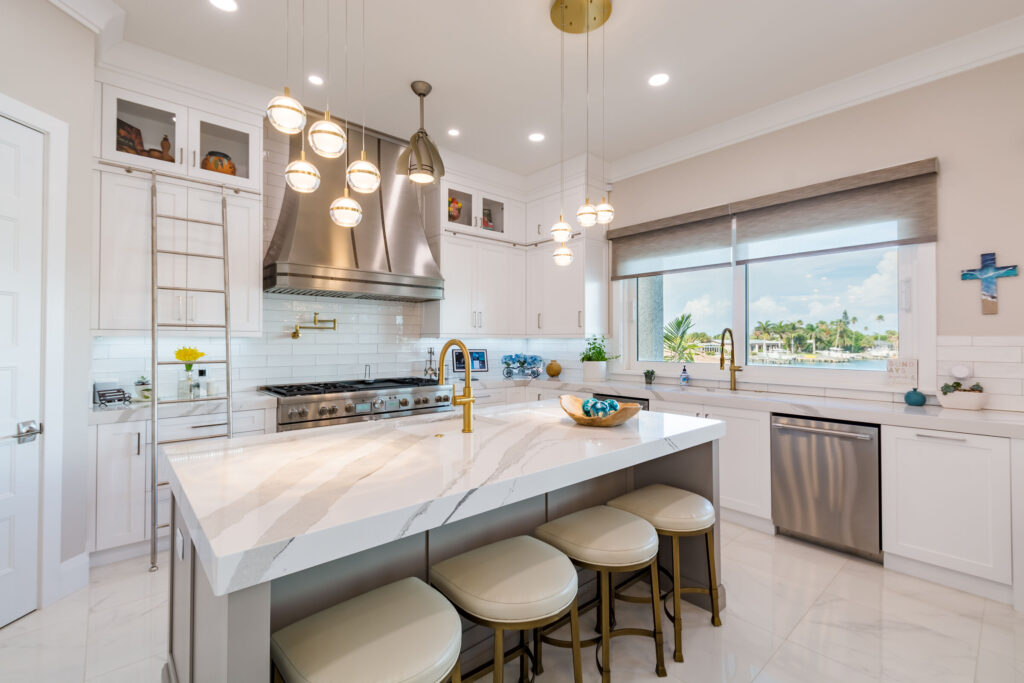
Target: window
838	311
680	315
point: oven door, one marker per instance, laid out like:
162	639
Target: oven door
310	424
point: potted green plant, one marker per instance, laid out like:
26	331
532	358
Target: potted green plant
595	359
956	395
648	376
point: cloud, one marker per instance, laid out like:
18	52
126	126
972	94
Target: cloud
877	293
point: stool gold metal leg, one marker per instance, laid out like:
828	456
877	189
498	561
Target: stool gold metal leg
574	629
457	672
677	615
659	645
606	639
716	617
523	677
538	665
499	656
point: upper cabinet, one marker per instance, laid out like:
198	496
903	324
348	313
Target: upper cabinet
473	211
567	301
150	132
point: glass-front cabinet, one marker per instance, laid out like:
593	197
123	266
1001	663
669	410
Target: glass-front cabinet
145	131
469	210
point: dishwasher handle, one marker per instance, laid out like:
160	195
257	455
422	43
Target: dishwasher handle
827	432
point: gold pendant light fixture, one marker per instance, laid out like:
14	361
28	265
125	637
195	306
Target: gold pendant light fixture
362	174
586	215
325	136
420	161
301	175
346	211
561	232
605	210
284	112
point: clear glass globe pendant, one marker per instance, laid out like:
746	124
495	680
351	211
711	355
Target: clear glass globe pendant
586	215
363	176
605	212
286	114
346	211
562	256
561	231
327	138
301	175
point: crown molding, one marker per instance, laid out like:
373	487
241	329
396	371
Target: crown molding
962	54
105	18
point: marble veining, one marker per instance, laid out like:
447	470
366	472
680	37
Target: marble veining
266	506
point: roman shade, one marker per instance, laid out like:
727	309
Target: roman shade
887	207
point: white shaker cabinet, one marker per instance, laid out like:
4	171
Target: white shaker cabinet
946	500
121	455
567	301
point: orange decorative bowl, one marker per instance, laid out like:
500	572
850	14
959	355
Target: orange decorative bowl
573	407
219	162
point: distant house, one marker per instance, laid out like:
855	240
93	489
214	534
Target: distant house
765	345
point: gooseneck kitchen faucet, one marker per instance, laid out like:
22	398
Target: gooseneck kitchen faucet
466	400
733	368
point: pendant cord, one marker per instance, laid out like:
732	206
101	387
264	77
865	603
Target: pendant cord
604	139
302	46
345	88
287	41
363	44
327	95
561	135
586	159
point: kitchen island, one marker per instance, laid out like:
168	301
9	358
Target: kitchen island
269	529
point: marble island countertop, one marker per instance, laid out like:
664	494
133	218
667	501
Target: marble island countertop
263	507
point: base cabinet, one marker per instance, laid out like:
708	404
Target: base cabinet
946	500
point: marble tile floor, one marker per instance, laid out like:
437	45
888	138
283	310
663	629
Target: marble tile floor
797	613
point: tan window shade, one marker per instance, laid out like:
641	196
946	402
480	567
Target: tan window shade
701	244
897	212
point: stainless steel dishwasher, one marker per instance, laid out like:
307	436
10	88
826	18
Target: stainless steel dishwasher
826	485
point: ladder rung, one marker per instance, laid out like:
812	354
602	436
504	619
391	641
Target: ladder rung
164	483
190	289
181	362
192	438
188	325
191	400
175	252
163	526
190	220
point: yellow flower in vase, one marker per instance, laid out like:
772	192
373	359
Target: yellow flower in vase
188	356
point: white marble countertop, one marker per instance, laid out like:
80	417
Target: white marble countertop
240	400
267	506
990	422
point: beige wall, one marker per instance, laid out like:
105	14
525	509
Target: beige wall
973	122
47	62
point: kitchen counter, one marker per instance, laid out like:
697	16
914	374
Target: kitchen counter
242	400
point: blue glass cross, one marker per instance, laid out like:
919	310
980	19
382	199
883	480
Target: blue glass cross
988	273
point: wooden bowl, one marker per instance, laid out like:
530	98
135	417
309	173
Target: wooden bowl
573	407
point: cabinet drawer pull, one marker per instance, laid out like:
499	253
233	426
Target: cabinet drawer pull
138	443
215	424
959	439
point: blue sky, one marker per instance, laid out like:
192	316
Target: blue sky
865	283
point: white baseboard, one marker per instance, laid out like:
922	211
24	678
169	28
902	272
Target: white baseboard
947	577
73	575
126	552
761	524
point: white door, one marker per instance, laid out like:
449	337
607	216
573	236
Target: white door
21	226
458	258
499	295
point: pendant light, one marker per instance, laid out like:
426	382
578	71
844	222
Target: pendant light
605	211
420	161
284	112
344	210
326	137
362	175
561	231
586	215
301	175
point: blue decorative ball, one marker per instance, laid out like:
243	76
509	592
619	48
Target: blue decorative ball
613	405
588	403
599	409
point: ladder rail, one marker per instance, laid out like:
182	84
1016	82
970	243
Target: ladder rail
156	325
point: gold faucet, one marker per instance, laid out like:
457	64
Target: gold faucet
733	368
466	400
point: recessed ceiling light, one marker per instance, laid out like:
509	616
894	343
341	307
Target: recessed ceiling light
225	5
454	132
316	80
658	80
536	137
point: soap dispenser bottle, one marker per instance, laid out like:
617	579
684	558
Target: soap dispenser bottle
684	377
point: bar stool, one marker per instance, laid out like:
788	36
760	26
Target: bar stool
607	540
517	584
676	513
404	631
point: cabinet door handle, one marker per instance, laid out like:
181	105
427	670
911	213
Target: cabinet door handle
181	307
193	158
579	318
942	438
481	323
181	156
138	443
538	228
538	327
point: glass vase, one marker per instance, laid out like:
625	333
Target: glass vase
188	387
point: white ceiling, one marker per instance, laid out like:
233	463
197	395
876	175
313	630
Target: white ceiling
495	70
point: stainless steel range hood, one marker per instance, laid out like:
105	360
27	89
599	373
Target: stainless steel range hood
385	257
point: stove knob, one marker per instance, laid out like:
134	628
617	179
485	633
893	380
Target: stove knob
349	408
303	412
403	402
324	411
438	398
378	404
292	412
334	410
422	399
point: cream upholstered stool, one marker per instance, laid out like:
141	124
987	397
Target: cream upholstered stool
607	540
517	584
674	513
404	631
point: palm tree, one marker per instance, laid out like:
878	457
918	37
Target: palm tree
880	318
679	343
763	329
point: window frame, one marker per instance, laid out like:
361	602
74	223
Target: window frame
917	328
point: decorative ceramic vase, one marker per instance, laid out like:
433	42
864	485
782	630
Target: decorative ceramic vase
218	162
962	400
188	388
454	210
554	369
595	370
914	397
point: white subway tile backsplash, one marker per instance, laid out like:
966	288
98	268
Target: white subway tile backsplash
953	341
998	341
997	370
993	354
996	362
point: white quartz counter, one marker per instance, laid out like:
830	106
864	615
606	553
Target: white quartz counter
241	400
262	507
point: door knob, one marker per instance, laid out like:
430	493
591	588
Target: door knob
26	432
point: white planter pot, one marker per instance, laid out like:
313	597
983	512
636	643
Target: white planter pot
595	370
962	400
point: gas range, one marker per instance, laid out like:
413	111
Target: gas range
319	404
